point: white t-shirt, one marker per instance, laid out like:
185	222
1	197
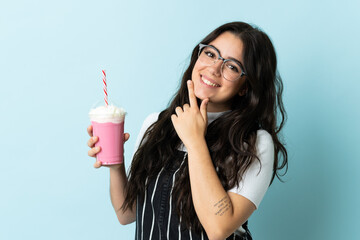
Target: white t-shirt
255	181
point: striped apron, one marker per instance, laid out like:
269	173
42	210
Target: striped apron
156	217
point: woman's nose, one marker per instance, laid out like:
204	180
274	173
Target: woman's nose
215	69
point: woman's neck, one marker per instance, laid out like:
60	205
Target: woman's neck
218	107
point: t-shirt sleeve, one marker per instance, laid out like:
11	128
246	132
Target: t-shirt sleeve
256	180
146	124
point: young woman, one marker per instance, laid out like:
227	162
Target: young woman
203	165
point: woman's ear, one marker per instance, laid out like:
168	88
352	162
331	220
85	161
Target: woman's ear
243	90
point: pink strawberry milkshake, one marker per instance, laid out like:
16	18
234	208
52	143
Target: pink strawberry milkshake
108	125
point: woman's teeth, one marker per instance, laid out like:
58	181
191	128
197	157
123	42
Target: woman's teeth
207	82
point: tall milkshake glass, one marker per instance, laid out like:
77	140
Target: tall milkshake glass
108	125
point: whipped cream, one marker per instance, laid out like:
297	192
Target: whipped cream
110	113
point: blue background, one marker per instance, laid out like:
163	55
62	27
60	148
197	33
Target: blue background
51	56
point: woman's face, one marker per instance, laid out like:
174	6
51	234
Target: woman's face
221	91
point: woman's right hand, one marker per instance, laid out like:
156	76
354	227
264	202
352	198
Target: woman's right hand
94	150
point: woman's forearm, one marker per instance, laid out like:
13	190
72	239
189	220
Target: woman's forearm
211	202
118	181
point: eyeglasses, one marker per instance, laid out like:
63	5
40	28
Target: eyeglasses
231	69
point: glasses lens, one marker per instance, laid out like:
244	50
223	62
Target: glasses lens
231	70
208	56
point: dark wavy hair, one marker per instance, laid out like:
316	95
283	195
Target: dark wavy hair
231	138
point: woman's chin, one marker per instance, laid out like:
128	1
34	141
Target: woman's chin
201	95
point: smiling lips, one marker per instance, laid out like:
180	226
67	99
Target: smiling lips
208	82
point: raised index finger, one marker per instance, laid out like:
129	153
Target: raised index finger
192	97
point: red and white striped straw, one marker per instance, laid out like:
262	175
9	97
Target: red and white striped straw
105	88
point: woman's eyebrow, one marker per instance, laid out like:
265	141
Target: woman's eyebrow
232	58
235	60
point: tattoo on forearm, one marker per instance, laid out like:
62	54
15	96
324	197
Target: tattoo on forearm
222	206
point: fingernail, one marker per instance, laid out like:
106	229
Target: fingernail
189	81
94	138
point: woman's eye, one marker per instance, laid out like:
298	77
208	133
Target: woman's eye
210	54
232	67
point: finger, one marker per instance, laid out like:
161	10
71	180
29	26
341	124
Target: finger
97	164
126	136
186	107
192	97
203	108
173	118
178	110
92	141
90	130
92	152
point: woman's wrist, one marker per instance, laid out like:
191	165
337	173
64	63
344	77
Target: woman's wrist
196	144
117	167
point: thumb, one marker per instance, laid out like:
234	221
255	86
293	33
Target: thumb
203	109
97	164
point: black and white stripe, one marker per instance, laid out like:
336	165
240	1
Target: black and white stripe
155	216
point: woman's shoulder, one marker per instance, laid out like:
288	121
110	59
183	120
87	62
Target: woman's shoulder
263	136
257	178
264	142
151	118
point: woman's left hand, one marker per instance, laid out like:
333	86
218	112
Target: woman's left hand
190	122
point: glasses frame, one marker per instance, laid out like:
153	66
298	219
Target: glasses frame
243	73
